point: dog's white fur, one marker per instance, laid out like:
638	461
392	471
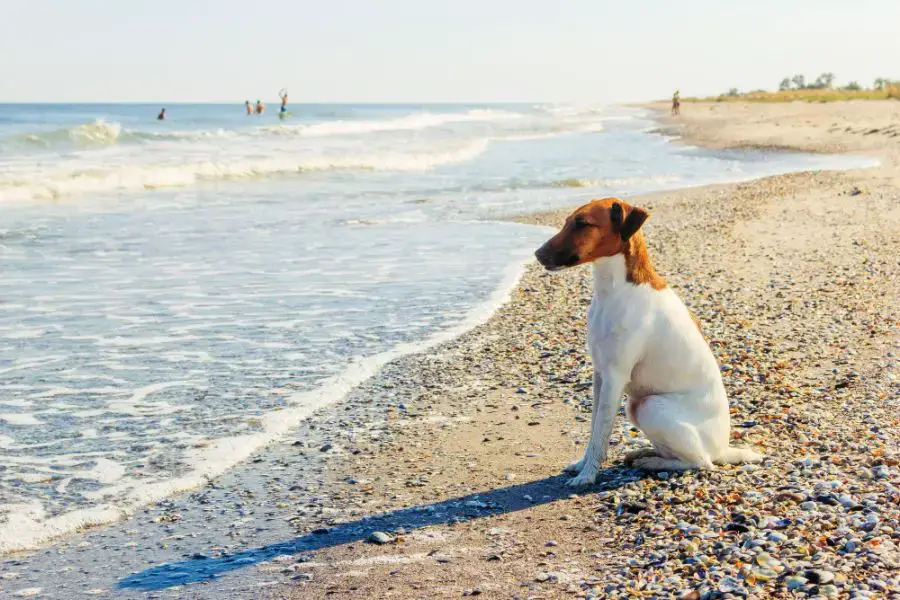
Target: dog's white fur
644	343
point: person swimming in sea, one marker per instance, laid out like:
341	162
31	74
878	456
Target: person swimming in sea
162	115
284	98
260	107
249	107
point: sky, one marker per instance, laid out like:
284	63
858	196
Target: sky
433	50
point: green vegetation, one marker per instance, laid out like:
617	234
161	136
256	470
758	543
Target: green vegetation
796	89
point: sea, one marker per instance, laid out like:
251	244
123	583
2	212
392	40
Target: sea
175	294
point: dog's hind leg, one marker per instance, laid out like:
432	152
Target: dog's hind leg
739	456
676	440
658	463
637	454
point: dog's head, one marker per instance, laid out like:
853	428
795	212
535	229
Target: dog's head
600	228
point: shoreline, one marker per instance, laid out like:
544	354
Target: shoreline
519	376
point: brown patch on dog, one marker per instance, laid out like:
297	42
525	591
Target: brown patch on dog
638	269
603	228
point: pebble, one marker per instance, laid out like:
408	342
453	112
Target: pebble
819	576
380	537
793	582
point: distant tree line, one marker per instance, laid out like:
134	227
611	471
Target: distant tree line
825	81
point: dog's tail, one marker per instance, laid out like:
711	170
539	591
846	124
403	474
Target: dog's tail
737	456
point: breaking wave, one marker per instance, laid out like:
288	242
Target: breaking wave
407	123
51	186
102	133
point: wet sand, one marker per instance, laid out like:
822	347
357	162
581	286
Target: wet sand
455	455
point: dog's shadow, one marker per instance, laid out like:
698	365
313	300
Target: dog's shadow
474	506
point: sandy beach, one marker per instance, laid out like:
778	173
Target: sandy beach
440	477
795	280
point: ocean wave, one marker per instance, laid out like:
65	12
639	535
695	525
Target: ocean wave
407	123
625	182
52	186
102	133
96	133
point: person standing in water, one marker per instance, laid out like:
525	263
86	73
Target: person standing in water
260	107
162	115
284	98
249	107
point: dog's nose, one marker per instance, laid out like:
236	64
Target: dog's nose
542	255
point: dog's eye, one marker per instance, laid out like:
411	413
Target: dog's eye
580	223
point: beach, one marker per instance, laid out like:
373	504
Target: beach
440	476
794	279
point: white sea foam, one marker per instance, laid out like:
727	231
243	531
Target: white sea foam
407	123
52	185
20	419
27	525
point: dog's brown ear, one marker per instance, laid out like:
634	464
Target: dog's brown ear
627	226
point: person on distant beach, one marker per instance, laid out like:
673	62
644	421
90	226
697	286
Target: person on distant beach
284	98
162	115
676	103
260	107
249	107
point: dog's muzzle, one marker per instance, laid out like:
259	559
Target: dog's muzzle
550	259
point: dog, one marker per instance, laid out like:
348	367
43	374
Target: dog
646	344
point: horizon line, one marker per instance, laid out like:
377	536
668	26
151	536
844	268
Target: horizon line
311	103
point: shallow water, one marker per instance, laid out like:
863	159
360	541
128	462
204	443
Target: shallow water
177	293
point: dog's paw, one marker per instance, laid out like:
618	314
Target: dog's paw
575	467
586	477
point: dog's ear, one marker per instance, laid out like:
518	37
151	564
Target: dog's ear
627	226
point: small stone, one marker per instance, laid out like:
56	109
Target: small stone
731	585
763	574
380	537
819	576
881	472
764	559
829	591
808	506
551	543
326	447
877	584
738	527
776	536
794	581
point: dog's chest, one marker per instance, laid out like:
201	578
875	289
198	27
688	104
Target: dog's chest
609	327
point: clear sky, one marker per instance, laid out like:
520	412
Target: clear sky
433	50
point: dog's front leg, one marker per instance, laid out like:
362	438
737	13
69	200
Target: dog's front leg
608	390
576	467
